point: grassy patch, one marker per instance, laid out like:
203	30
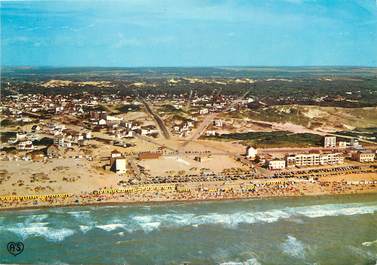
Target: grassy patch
11	123
170	108
363	133
277	114
6	123
273	139
44	141
128	108
5	136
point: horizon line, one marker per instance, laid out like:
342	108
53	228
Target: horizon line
177	66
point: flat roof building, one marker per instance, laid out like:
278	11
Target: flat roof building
149	155
276	164
364	156
314	159
329	141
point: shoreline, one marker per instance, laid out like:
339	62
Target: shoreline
330	184
155	202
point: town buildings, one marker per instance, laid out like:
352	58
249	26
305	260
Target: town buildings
251	152
314	159
118	163
218	123
364	156
276	164
329	141
149	155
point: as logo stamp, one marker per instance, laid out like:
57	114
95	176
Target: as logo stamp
15	248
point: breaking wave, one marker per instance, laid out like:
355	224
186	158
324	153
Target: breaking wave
368	244
85	228
79	214
151	222
252	261
363	253
110	227
293	247
34	218
40	229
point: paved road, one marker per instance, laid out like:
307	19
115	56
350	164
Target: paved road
189	100
158	120
201	128
209	119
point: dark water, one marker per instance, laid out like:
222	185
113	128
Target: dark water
325	230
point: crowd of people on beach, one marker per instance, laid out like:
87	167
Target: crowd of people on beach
206	177
321	172
210	187
200	191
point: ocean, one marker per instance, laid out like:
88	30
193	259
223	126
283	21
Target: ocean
312	230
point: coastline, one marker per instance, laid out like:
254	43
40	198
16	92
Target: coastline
155	202
330	184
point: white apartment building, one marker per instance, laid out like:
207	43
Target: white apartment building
314	159
329	141
59	140
203	111
276	164
307	159
364	156
331	159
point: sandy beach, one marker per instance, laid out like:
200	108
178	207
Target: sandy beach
202	191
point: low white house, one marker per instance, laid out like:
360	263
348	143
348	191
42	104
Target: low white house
25	145
203	111
120	165
88	135
102	122
116	154
218	123
251	152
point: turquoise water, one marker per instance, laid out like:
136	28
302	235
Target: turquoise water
317	230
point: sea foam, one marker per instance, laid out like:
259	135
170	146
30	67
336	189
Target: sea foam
363	253
368	244
85	228
79	214
150	222
110	227
33	218
246	217
42	230
293	247
251	261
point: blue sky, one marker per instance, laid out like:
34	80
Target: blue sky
189	33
